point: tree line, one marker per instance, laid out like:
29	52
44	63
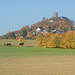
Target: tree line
64	40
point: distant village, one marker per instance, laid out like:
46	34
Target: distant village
53	25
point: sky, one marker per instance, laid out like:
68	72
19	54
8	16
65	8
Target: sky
14	14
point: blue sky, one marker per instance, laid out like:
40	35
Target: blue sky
14	14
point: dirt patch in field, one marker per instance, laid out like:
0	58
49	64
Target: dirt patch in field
53	65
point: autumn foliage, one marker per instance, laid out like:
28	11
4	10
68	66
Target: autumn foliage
49	40
60	24
68	40
21	40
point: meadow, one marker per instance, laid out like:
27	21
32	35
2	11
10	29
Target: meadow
32	60
28	43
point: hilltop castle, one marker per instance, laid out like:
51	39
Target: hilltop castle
55	14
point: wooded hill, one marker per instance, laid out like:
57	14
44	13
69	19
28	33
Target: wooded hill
58	23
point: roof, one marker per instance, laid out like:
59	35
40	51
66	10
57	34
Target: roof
38	29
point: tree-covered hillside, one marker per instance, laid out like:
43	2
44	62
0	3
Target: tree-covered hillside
46	25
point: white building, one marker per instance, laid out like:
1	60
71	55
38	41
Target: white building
51	21
74	25
53	31
38	30
45	31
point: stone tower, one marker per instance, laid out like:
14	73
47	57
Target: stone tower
55	14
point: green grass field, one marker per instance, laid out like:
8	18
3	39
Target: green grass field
27	60
34	52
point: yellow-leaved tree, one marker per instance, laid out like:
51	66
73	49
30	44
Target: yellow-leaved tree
57	40
65	40
21	40
47	40
29	34
68	40
39	40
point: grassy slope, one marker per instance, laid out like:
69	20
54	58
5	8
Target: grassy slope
34	52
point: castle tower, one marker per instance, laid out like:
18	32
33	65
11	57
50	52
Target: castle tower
55	14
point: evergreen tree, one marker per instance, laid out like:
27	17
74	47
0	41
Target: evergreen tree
13	35
49	28
24	33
